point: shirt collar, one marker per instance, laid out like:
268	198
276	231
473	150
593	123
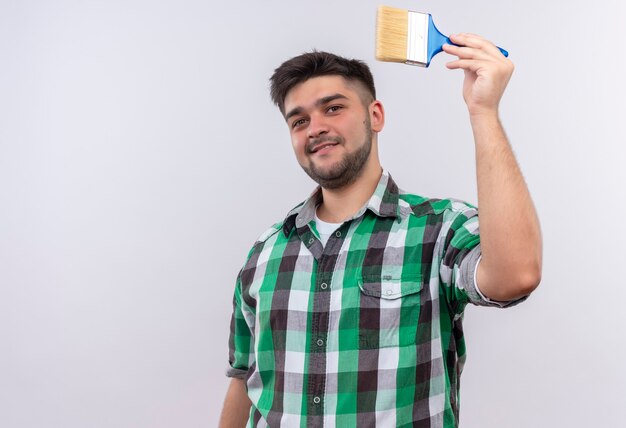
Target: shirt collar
383	203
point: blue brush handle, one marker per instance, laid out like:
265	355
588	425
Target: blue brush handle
436	40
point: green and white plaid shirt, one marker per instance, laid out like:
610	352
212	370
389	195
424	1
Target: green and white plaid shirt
366	331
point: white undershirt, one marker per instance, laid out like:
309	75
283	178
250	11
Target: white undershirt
325	229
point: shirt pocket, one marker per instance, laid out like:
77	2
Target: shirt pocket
389	310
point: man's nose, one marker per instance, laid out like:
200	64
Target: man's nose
317	126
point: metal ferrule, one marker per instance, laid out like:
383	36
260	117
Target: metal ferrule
417	43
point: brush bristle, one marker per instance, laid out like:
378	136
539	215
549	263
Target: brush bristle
391	34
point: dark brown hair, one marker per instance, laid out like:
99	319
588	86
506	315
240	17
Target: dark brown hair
314	64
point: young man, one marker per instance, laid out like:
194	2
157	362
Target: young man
348	312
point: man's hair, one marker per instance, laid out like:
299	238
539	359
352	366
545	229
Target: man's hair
314	64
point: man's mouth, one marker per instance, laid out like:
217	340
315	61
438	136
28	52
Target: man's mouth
322	146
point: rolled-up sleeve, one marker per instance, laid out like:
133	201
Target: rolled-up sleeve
468	281
241	339
460	260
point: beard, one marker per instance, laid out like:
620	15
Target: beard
346	170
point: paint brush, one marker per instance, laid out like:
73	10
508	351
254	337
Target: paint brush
408	37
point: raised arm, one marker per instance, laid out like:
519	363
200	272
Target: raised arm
510	235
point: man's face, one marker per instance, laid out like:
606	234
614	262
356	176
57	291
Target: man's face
330	129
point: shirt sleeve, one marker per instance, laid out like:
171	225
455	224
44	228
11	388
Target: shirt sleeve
241	339
461	256
468	281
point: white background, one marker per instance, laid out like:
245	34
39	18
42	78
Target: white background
140	157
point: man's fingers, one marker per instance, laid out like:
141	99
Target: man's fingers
464	52
477	42
465	64
469	40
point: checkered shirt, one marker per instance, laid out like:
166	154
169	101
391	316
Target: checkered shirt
366	331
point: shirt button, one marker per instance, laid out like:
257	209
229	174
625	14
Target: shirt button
311	241
323	286
320	342
338	234
316	400
389	292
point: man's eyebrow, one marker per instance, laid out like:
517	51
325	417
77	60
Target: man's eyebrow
320	102
293	112
326	100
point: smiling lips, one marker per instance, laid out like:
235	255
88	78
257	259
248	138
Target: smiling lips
321	146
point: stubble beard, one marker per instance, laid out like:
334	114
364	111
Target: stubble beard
347	170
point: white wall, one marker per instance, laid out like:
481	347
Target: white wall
140	157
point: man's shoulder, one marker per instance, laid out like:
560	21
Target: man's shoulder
269	232
278	226
418	205
267	239
260	244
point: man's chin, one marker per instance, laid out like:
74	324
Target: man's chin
341	172
329	178
327	172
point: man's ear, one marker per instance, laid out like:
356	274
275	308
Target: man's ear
377	115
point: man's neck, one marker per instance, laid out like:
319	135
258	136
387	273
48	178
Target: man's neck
341	204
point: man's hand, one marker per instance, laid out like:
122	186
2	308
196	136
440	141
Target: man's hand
487	72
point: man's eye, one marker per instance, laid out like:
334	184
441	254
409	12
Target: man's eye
333	109
297	123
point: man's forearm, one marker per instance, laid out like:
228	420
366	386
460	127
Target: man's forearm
509	228
236	405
